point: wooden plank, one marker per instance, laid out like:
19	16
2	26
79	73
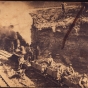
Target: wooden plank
5	52
2	83
7	80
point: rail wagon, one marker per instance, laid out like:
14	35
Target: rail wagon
40	66
53	73
49	71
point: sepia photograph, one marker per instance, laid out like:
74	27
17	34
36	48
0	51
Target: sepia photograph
43	44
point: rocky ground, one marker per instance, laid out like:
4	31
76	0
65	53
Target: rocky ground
75	50
7	70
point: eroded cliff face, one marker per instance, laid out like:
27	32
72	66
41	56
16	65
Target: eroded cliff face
50	40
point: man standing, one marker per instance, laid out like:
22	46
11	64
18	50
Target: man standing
17	45
21	61
70	70
28	55
63	7
12	47
21	57
50	60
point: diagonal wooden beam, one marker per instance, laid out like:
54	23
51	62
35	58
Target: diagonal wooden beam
72	25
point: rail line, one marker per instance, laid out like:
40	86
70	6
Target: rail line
46	80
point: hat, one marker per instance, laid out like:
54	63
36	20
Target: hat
70	64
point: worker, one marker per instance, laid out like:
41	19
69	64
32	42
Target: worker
3	41
85	4
63	7
60	72
50	60
12	47
23	52
17	46
21	61
21	58
83	82
70	70
21	73
18	43
28	55
61	69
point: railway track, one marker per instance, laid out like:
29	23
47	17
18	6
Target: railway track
40	80
5	81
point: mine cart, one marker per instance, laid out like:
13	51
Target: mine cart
39	65
72	80
49	71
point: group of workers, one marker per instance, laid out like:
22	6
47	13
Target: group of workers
64	72
24	55
69	71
